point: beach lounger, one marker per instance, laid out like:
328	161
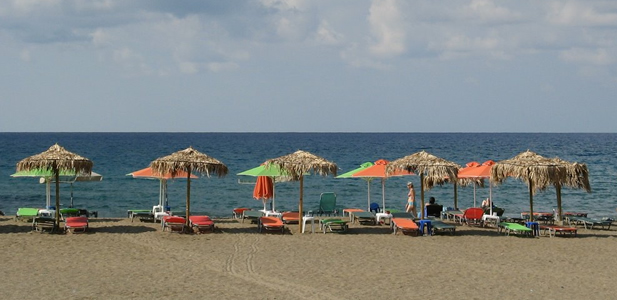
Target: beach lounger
364	217
68	212
26	214
271	224
472	215
144	215
253	215
201	224
333	225
327	204
552	230
439	226
350	211
44	224
173	224
589	223
76	224
238	211
405	225
290	217
514	228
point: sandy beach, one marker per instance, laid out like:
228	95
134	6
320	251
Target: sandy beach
118	259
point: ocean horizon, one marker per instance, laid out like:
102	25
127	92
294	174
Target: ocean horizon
115	154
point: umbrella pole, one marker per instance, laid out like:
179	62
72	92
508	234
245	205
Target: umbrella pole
490	195
71	195
530	200
474	194
273	194
383	194
57	174
368	184
188	197
48	193
300	203
559	211
422	195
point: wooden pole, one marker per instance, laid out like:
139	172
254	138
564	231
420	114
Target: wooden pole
422	195
188	197
559	211
57	214
301	203
530	201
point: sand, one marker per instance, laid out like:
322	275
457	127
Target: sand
118	259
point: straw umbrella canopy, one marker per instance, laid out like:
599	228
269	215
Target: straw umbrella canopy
300	162
540	172
433	170
188	160
56	159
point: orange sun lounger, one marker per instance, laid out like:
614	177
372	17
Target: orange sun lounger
201	223
291	217
554	229
271	224
405	225
76	224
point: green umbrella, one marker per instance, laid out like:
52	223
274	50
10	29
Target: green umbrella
368	179
67	176
272	171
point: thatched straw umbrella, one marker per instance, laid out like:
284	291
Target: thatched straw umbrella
299	163
57	159
188	160
432	169
540	172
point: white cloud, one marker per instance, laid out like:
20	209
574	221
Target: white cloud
326	35
575	13
24	55
487	11
588	56
387	28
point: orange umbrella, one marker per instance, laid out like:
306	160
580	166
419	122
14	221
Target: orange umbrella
476	170
148	173
378	170
264	189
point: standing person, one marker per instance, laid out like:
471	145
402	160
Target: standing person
410	207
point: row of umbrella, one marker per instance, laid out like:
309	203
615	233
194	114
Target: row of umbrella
538	172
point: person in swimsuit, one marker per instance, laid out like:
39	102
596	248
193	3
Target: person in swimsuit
410	207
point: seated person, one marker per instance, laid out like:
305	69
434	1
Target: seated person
433	209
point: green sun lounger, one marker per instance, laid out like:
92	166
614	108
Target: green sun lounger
253	215
26	214
334	225
364	217
515	228
439	226
69	212
589	223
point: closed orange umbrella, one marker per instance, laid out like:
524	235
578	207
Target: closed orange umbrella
378	170
264	189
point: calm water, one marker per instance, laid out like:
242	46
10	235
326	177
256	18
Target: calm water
116	154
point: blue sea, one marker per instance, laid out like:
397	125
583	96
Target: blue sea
117	154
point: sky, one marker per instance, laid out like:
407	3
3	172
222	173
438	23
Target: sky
308	66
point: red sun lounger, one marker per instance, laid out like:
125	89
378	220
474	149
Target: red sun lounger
407	226
76	224
201	224
271	224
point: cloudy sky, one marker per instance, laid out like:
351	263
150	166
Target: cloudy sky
308	65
